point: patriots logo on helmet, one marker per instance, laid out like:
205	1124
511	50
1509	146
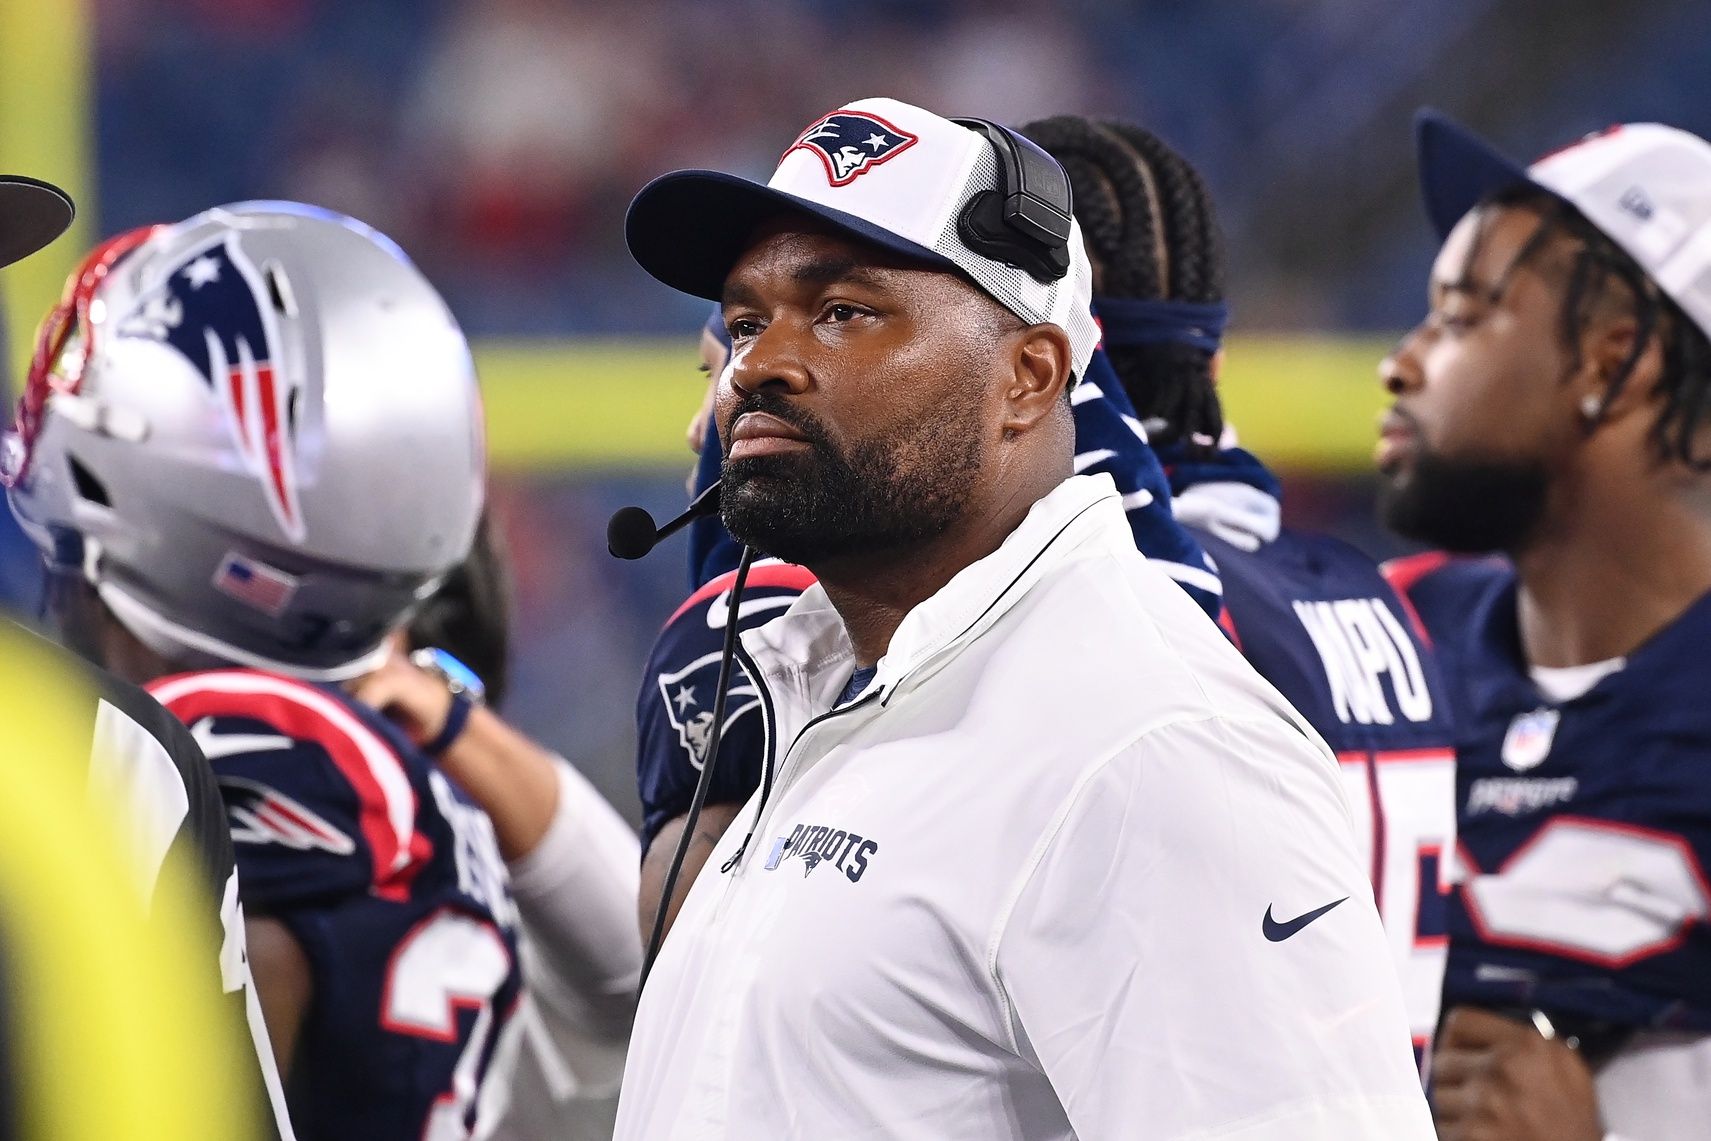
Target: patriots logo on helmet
851	143
213	309
688	697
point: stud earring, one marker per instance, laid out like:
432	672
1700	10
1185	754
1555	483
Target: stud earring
1591	406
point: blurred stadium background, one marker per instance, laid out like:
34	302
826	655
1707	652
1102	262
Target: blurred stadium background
499	141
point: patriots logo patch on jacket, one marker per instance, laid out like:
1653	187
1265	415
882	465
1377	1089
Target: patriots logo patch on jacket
850	143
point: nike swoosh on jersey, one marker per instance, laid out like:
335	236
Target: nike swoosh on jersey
1277	932
721	606
215	745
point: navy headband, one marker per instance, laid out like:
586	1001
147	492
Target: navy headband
1128	321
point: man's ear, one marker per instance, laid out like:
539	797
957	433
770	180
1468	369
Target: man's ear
1040	368
1606	347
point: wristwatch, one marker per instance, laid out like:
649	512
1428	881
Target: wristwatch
445	665
464	686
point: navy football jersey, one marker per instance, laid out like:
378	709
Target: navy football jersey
1316	618
391	880
1584	825
674	710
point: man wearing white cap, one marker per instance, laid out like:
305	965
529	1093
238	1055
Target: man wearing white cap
1553	407
1040	856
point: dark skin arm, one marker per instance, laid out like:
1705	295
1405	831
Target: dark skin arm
283	983
656	863
1496	1079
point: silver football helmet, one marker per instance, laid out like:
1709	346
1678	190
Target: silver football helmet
256	433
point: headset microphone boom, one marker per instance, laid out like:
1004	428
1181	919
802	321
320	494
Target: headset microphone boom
630	534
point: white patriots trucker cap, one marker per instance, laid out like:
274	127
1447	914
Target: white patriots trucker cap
1646	186
880	170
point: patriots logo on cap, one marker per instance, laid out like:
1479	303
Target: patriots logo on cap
851	143
212	308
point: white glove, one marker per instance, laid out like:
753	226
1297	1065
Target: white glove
1238	513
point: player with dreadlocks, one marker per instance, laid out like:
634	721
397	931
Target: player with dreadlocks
1311	613
1552	407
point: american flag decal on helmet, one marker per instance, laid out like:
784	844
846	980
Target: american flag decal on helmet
851	143
214	309
255	584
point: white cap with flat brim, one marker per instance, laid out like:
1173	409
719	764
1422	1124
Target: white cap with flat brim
1646	186
32	214
880	170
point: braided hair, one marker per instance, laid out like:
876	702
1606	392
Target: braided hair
1601	275
1152	235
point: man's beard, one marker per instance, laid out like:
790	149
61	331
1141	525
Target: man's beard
1469	506
885	494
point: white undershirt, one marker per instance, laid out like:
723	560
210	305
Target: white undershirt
582	955
1565	683
1657	1088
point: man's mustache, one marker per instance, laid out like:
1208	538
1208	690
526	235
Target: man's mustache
813	432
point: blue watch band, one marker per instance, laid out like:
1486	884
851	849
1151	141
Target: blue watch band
456	718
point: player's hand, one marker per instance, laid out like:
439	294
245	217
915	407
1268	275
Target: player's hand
1496	1079
418	701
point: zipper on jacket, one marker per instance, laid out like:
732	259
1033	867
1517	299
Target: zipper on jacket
883	696
767	777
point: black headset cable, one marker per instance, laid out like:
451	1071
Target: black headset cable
711	757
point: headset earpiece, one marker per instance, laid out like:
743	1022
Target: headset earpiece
1026	221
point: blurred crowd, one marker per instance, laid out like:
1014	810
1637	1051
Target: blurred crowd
500	140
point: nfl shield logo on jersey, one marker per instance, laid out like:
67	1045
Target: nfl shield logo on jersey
850	143
1528	741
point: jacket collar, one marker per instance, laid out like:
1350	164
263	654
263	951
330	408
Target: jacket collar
807	651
